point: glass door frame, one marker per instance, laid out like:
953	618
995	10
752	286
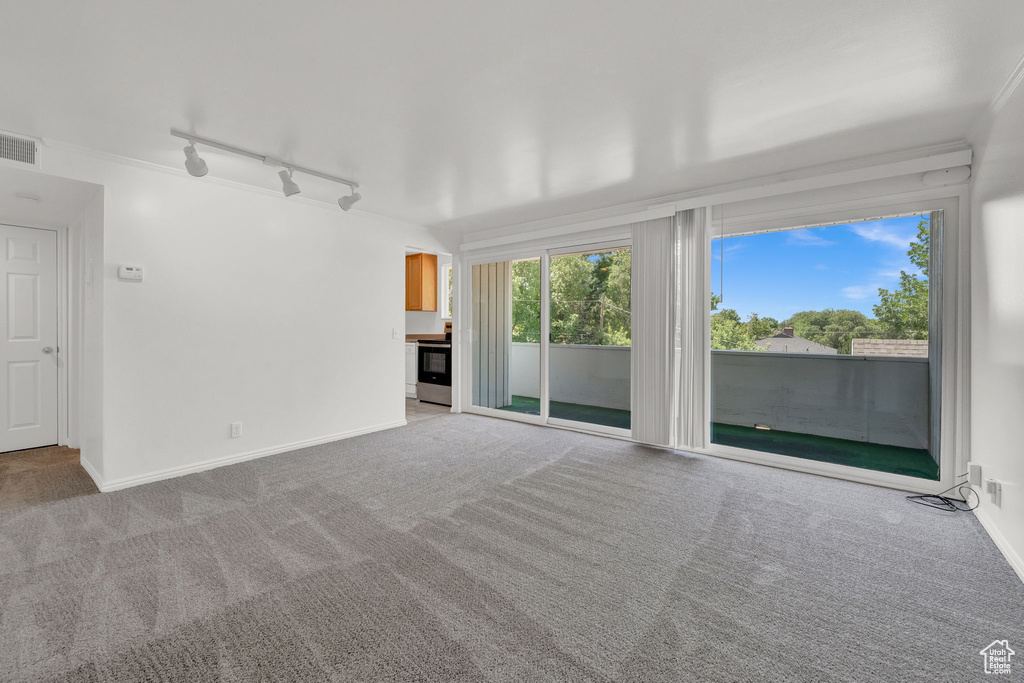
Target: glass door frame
602	245
618	240
945	329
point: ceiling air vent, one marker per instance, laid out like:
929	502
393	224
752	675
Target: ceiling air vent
18	149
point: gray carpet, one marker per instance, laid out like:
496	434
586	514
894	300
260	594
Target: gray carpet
464	548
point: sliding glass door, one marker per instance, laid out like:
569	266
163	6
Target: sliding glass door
552	336
825	343
590	338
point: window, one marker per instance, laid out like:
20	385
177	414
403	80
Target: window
446	290
820	344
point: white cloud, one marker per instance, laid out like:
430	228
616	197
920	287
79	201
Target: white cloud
716	249
860	291
874	232
808	238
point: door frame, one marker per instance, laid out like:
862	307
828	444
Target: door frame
65	344
543	252
953	328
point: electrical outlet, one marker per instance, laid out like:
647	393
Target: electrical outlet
974	474
994	489
236	430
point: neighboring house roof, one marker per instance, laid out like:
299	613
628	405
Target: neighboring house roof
788	343
908	348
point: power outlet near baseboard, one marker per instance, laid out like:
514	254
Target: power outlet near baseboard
236	430
994	489
974	474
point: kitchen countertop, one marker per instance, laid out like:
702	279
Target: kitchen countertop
417	337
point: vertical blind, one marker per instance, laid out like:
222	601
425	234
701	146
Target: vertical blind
653	303
492	334
694	258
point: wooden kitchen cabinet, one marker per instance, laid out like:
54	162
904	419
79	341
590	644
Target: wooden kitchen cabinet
420	282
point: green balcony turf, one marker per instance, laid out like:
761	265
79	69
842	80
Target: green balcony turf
609	417
911	462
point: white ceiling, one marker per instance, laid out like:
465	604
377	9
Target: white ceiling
463	114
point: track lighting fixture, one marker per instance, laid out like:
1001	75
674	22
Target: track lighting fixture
346	202
193	163
288	185
197	167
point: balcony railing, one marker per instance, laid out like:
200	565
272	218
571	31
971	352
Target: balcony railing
873	399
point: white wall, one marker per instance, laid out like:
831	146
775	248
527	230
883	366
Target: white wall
587	375
430	322
875	400
255	308
997	320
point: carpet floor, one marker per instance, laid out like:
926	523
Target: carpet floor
465	548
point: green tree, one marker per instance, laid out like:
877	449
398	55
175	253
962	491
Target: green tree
526	301
835	328
572	285
615	309
761	328
903	313
729	333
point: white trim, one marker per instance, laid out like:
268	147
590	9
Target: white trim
571	242
91	471
855	205
920	160
1009	86
442	285
593	428
171	472
824	469
567	425
817	182
595	224
64	356
955	407
1015	560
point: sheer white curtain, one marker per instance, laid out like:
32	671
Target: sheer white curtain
653	302
693	254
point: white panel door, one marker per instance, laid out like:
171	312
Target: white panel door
28	338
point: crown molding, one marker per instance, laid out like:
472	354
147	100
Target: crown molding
112	158
958	152
1009	86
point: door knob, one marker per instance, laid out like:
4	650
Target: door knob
47	349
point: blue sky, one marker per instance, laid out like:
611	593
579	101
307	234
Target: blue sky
777	274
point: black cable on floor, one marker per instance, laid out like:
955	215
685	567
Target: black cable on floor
940	501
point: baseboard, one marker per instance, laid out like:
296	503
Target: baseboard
170	473
1004	546
91	471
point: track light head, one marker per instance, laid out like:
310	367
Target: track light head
346	202
288	185
193	163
